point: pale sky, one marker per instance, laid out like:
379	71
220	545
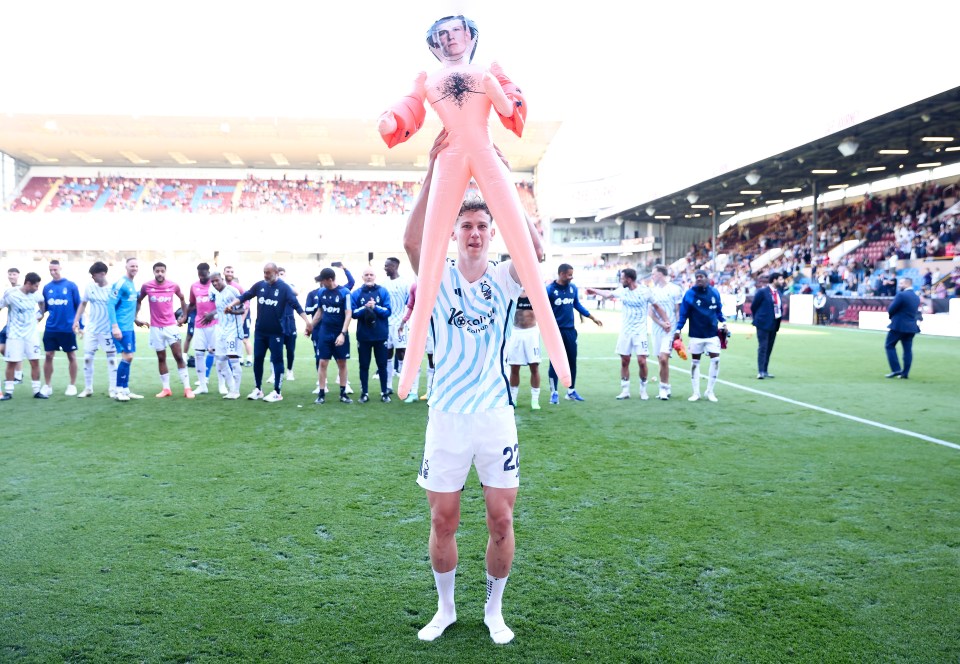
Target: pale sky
731	82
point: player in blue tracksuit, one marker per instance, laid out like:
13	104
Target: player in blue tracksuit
701	306
371	308
333	318
564	299
63	299
312	302
273	296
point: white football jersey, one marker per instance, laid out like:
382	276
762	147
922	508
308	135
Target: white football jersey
22	313
228	325
471	324
399	289
98	313
635	303
668	297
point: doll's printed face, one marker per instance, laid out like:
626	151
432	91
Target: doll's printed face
452	37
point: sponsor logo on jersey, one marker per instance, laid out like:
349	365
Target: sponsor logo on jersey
57	302
473	325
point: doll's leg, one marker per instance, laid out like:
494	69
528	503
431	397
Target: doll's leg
501	197
446	195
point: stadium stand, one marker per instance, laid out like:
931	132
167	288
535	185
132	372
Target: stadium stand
283	196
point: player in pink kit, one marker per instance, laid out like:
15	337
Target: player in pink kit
164	327
205	328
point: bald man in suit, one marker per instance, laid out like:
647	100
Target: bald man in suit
904	314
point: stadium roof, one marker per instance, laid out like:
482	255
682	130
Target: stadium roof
916	132
106	141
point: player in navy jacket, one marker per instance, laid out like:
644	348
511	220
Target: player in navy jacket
701	306
371	308
563	300
273	296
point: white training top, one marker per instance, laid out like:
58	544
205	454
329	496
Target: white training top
635	303
668	297
22	317
399	290
98	313
471	324
228	325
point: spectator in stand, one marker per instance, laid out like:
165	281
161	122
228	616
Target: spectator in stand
820	307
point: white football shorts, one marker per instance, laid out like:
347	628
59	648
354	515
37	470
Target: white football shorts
204	338
398	336
632	344
486	439
161	337
524	348
18	350
697	346
94	341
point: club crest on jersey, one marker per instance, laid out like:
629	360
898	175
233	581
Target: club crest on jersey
486	290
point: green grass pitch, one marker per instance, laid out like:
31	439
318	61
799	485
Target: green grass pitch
755	529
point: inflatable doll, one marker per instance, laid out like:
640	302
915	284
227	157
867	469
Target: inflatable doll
462	93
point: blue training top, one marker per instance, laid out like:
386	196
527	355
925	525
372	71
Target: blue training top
272	301
563	300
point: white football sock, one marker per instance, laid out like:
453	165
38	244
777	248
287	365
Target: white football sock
111	369
514	391
446	609
200	362
165	381
695	375
185	375
492	615
88	370
714	372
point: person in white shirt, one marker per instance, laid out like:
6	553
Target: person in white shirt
471	420
636	299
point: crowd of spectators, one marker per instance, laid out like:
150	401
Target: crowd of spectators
115	193
910	223
282	196
365	197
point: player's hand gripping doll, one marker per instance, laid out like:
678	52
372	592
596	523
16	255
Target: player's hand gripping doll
462	93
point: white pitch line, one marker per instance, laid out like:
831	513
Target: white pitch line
854	418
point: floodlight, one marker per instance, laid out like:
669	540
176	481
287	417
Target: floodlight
752	177
848	146
693	197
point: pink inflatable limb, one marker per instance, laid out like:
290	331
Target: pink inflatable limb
507	210
409	114
404	118
515	121
450	178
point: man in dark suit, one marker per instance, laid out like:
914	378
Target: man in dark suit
767	311
904	313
